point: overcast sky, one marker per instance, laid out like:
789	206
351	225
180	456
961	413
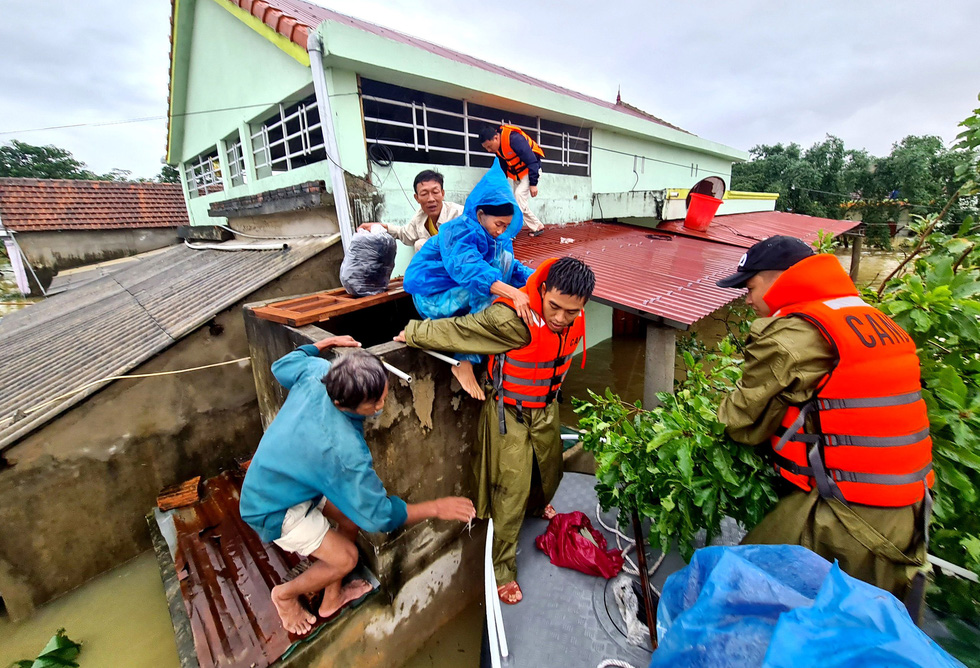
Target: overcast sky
741	73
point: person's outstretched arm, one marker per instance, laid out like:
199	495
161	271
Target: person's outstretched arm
496	329
447	508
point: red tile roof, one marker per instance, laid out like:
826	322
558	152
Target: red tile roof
744	229
667	277
295	19
33	205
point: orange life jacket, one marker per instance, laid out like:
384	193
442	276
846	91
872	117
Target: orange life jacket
530	377
870	443
514	167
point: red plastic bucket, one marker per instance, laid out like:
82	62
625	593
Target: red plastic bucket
701	211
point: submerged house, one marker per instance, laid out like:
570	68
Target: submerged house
57	224
246	119
286	120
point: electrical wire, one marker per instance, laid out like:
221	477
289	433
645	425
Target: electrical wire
20	414
143	119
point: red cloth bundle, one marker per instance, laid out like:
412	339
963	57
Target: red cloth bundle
571	542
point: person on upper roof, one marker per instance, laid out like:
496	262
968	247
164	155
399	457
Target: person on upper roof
470	262
432	213
834	385
520	158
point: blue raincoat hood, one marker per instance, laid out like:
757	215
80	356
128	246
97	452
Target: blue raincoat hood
494	188
464	255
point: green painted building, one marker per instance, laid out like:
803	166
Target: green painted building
244	117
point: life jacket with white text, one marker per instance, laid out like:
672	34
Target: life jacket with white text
868	441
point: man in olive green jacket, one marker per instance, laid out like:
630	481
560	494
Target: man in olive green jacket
518	472
785	359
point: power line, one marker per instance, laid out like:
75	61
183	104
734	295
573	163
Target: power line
144	119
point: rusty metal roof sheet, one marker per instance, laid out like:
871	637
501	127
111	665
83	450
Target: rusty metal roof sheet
744	229
667	274
110	325
226	575
665	277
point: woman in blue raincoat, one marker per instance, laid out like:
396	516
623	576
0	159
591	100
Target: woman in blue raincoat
471	261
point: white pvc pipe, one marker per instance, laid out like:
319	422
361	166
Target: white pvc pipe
231	246
445	358
398	372
490	585
341	202
952	569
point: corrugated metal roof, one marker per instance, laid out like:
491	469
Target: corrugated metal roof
668	274
110	325
34	205
661	276
744	229
226	575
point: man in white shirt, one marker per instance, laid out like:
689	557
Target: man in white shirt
432	213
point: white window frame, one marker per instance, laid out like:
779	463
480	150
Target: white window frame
262	147
235	156
557	145
203	174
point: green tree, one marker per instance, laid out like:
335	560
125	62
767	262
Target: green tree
19	159
168	174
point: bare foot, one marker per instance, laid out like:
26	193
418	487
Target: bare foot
294	618
351	591
464	374
549	512
510	593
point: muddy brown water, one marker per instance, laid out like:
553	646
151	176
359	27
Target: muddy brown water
122	618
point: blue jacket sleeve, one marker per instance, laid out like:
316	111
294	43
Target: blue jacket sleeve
360	495
530	158
289	368
521	273
465	264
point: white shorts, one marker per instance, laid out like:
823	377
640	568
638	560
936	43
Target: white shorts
303	528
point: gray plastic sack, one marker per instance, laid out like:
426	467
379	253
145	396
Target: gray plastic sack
368	263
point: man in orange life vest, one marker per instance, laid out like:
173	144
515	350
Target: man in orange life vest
520	158
834	385
518	462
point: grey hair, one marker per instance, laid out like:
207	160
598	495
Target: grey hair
355	377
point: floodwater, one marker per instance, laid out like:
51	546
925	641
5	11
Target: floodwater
121	618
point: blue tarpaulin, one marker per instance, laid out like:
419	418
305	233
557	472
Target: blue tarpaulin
782	605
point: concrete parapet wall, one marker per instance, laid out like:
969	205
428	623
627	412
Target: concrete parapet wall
51	252
422	447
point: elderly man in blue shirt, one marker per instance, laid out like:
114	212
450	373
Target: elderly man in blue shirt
311	484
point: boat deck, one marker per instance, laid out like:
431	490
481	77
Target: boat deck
567	618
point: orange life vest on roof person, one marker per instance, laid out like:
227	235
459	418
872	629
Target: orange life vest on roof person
514	166
530	377
870	443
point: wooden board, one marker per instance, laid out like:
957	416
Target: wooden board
321	306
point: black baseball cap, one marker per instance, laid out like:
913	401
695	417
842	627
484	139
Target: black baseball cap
775	253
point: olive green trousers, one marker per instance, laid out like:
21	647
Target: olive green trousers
883	546
516	473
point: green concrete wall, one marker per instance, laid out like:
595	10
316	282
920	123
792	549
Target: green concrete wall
665	166
598	323
255	76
